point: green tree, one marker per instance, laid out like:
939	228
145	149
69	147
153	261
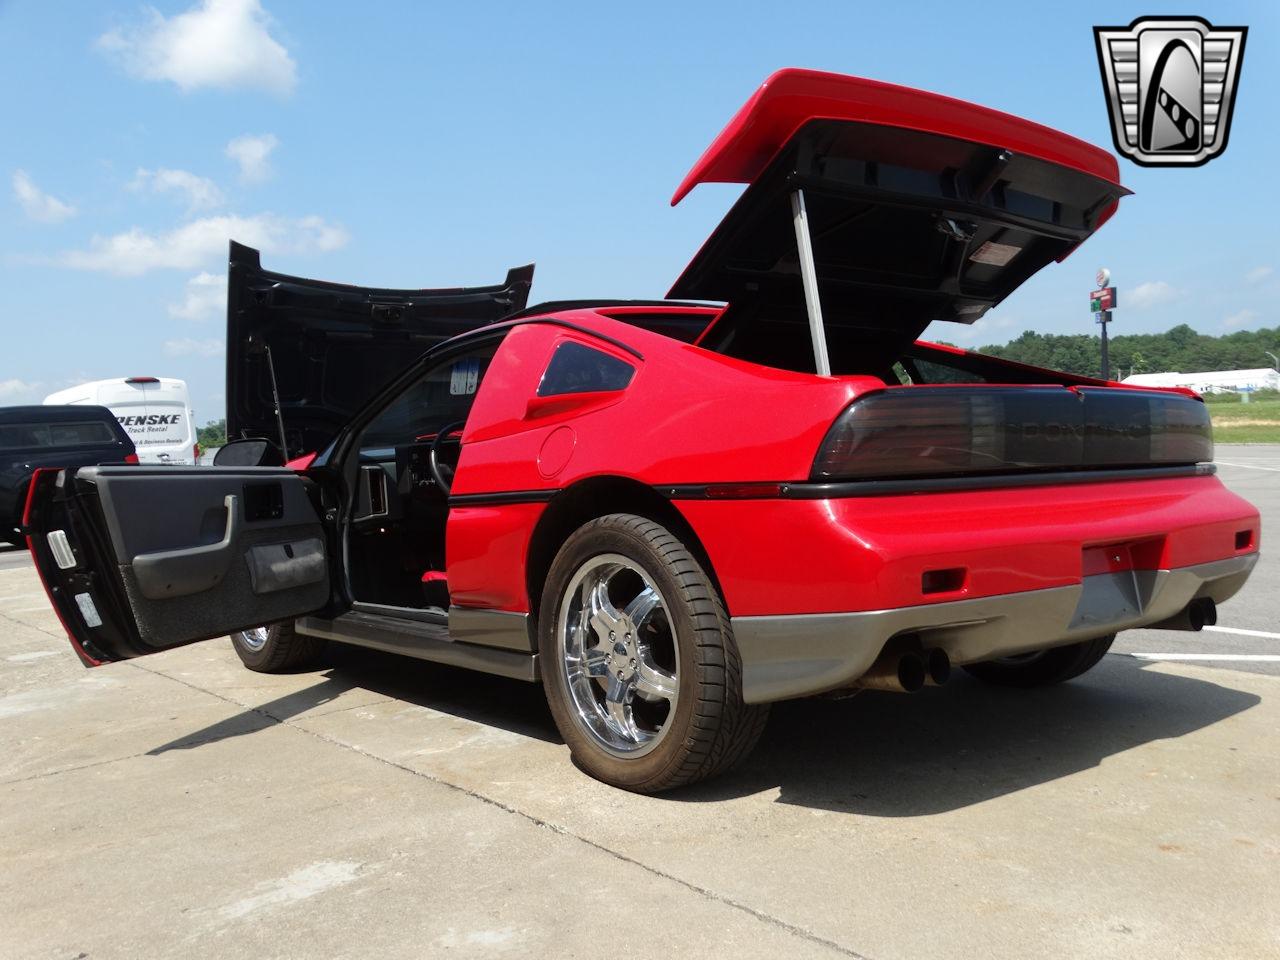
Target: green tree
212	434
1180	349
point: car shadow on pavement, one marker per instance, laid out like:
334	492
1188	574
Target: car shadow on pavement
253	719
875	754
906	755
512	705
494	701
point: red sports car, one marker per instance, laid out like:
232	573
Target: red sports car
669	513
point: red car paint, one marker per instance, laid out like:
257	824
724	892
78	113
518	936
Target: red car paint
725	422
301	463
870	553
791	98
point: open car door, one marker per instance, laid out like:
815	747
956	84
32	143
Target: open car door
141	559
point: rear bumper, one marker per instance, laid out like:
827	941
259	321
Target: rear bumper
797	655
788	556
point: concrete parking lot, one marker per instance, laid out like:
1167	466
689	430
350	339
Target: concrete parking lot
183	806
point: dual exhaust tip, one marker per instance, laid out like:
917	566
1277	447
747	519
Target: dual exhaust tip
906	671
1196	615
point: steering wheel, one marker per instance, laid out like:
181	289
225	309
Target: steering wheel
441	472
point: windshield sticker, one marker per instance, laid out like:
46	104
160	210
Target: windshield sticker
464	377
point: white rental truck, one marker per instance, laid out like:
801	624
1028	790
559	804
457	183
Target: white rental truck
154	411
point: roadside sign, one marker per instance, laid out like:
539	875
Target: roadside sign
1101	302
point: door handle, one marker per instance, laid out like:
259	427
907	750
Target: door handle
180	573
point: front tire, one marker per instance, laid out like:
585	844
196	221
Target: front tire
275	648
1045	667
640	667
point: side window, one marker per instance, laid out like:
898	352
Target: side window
575	368
444	395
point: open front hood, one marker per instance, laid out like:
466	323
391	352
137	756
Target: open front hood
921	207
332	346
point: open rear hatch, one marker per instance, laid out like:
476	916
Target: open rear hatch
326	348
919	208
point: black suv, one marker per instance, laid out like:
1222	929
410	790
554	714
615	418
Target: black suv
34	437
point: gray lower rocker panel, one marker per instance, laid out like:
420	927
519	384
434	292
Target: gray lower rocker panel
802	654
491	628
425	641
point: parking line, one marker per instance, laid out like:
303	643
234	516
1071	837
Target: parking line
1239	657
1246	633
1247	466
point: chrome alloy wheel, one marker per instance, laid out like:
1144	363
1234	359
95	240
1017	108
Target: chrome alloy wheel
619	655
254	639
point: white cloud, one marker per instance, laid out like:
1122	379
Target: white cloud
37	204
217	43
1258	274
1152	293
202	242
201	193
205	298
187	347
1241	318
13	390
253	155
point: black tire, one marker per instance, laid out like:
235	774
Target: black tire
1046	667
281	649
710	728
10	534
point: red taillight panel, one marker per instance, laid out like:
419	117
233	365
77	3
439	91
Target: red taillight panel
942	431
131	458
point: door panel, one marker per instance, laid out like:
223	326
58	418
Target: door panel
139	559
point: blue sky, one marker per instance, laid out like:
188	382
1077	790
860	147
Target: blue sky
425	144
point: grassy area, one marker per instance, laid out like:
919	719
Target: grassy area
1255	422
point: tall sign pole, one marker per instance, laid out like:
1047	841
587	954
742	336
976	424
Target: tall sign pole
1101	302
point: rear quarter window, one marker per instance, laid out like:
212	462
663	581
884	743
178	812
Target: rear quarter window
576	368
